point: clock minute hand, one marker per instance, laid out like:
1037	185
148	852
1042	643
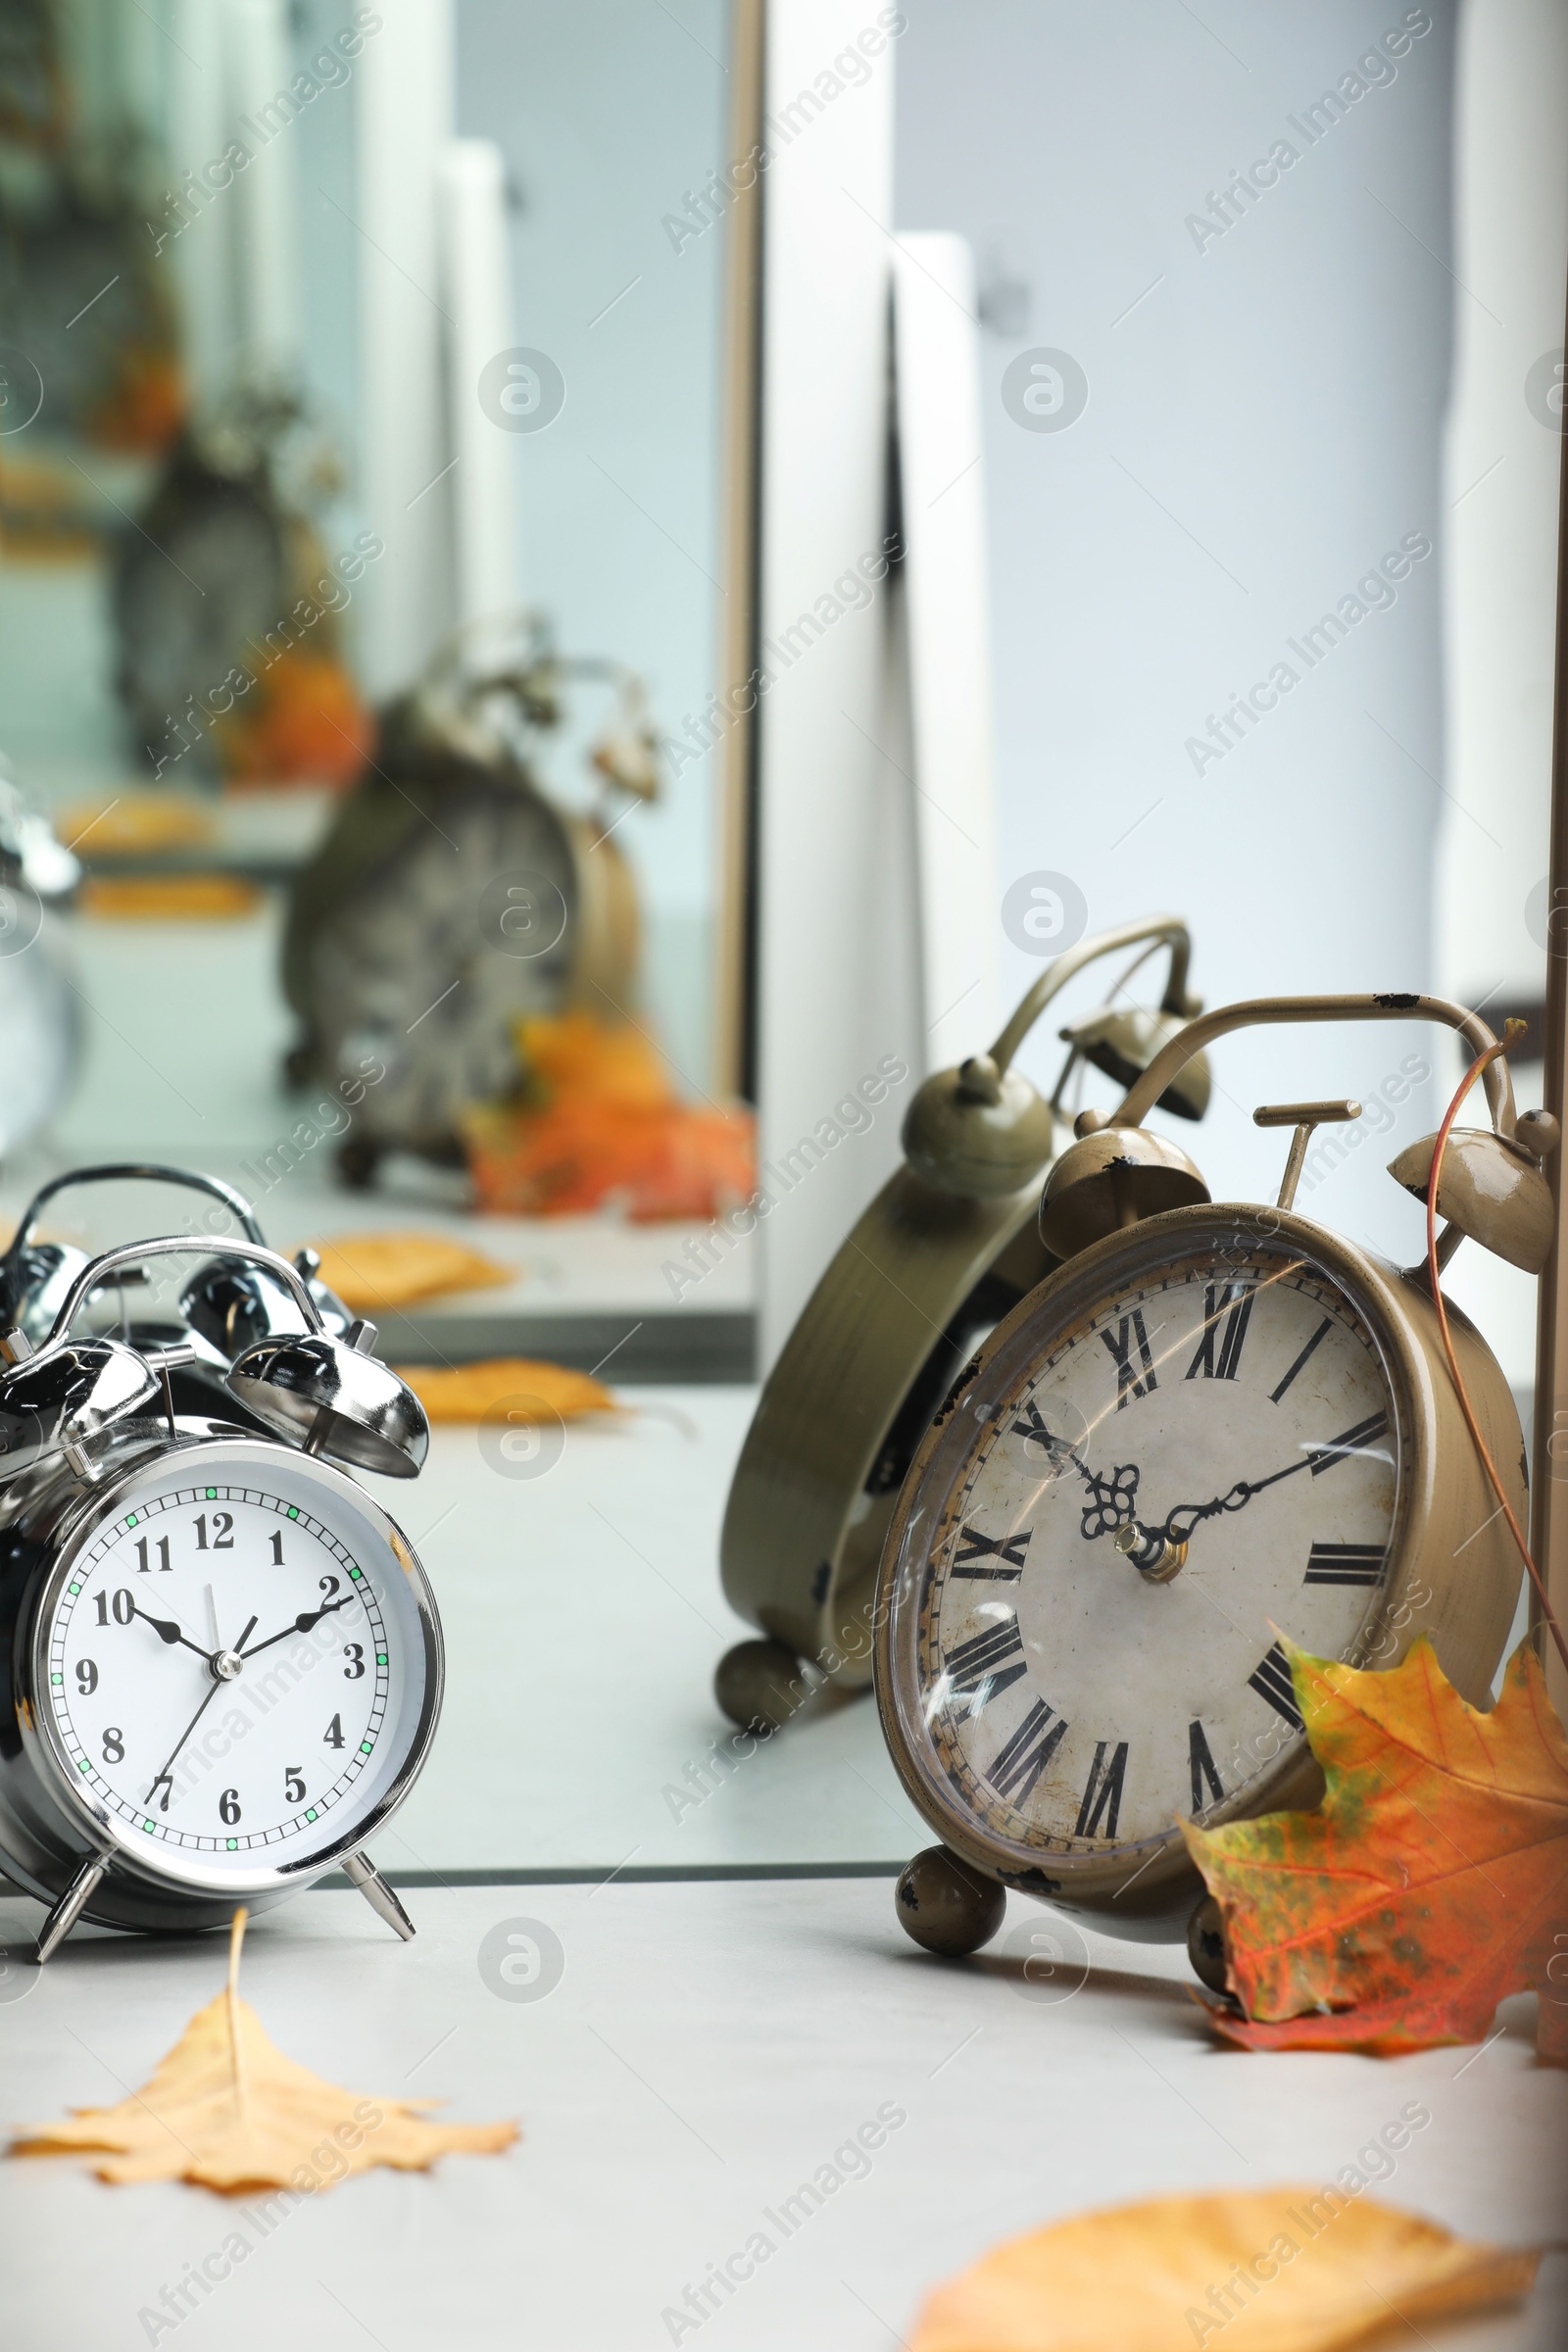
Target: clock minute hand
1235	1498
307	1619
1315	1459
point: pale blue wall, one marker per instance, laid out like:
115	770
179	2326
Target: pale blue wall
1260	428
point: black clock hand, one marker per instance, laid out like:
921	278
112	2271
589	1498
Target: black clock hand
217	1683
303	1624
1110	1498
167	1631
1246	1487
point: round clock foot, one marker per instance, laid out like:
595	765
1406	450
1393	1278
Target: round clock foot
1206	1944
758	1685
946	1906
357	1164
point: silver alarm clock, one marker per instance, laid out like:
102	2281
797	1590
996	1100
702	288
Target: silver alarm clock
224	1660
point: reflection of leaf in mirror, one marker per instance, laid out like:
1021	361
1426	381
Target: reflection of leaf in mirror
372	1271
532	1390
227	2109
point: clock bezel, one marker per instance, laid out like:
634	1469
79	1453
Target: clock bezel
103	1833
1146	1888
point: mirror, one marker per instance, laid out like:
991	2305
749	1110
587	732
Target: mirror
433	437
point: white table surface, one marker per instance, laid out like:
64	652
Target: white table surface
705	2049
584	1619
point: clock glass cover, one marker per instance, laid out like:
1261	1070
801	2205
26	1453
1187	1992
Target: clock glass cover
236	1664
1209	1451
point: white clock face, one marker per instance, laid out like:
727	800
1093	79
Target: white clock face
1236	1404
236	1665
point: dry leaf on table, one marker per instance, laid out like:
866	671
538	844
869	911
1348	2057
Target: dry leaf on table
533	1391
227	2110
1432	1883
1275	2270
374	1271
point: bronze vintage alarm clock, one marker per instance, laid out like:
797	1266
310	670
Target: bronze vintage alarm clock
452	896
222	1661
947	1246
1213	1422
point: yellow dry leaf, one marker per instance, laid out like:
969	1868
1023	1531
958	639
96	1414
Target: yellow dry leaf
1274	2270
577	1056
380	1270
169	898
227	2110
134	825
532	1392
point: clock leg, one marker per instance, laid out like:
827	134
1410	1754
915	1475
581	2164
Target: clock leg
947	1906
66	1913
1206	1944
759	1686
362	1873
357	1162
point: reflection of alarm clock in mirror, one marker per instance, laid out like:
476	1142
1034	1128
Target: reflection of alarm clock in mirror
1211	1424
452	898
214	582
224	1661
206	572
946	1249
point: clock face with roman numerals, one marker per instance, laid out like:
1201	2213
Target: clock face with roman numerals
1208	1450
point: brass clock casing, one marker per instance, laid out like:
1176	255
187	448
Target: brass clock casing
874	1350
1453	1574
946	1249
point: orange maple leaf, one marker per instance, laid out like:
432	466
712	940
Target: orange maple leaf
1432	1883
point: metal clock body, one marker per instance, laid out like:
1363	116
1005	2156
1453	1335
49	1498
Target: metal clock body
946	1247
221	1663
204	1786
40	1019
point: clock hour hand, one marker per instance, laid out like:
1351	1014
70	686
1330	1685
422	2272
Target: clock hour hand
168	1631
1109	1496
304	1623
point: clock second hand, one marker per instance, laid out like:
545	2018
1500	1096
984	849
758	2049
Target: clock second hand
217	1683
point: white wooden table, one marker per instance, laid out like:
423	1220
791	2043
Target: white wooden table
583	1621
705	2049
